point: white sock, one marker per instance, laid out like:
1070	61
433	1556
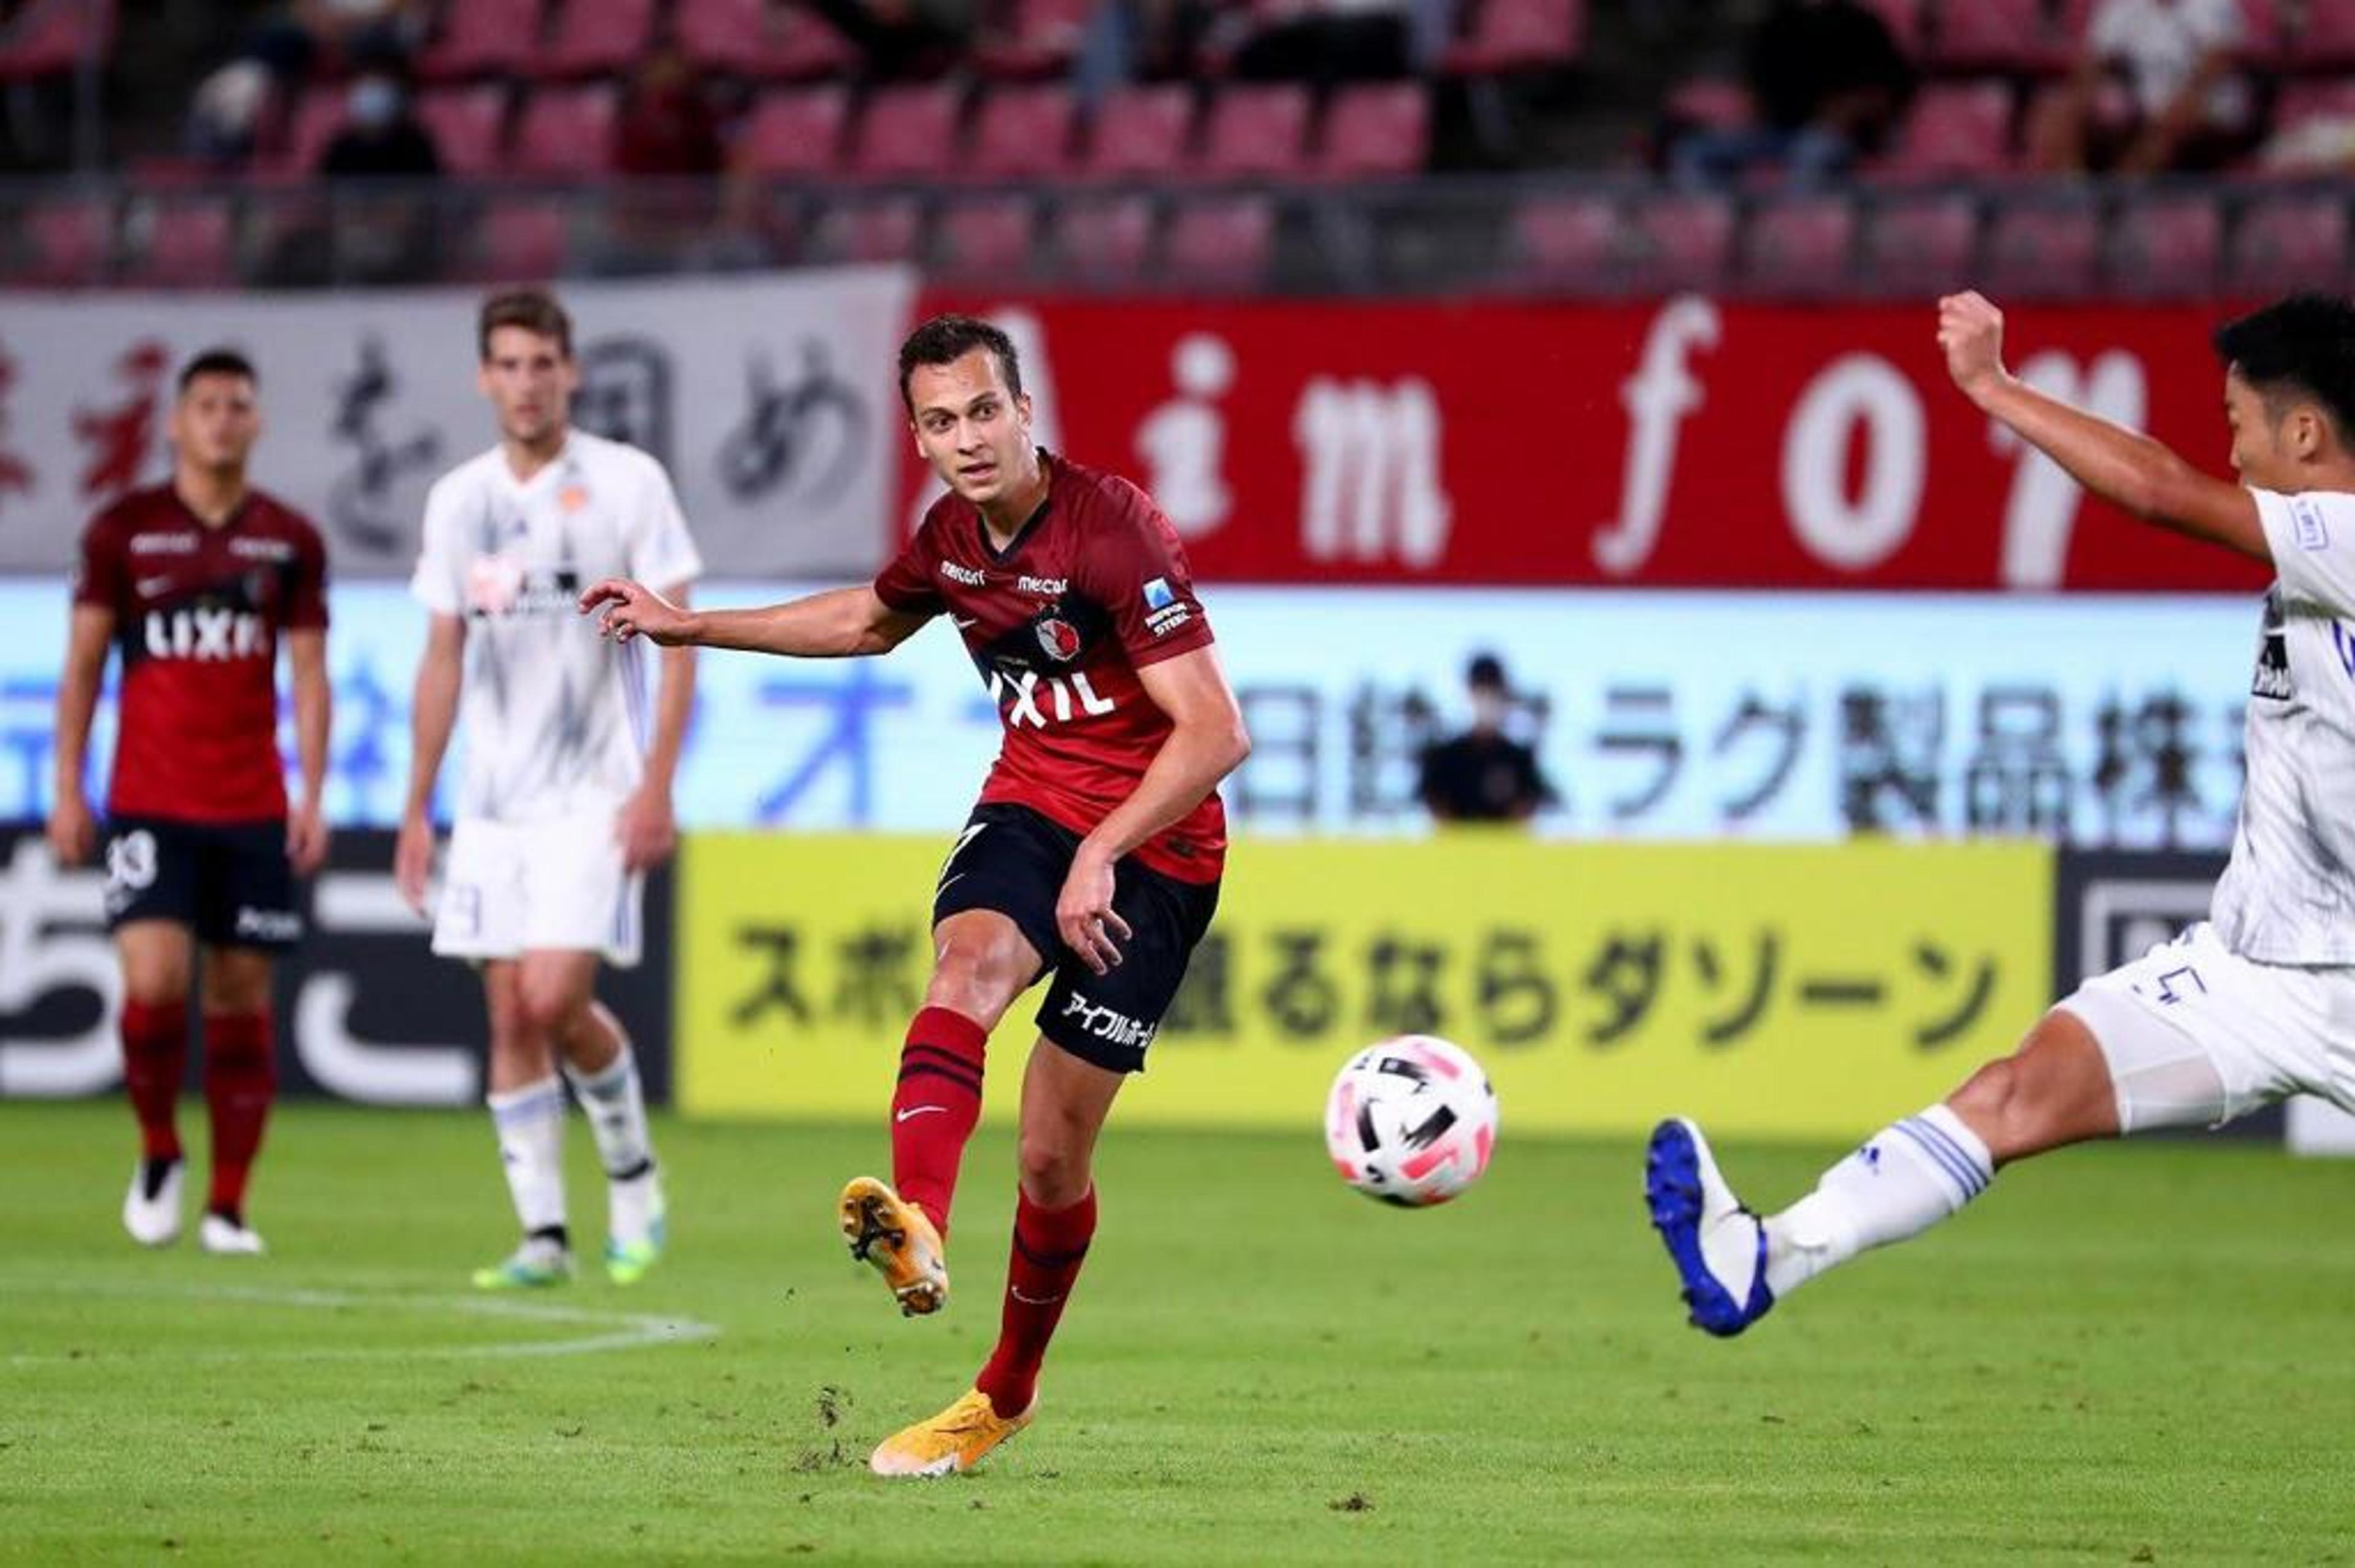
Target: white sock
615	1101
1905	1179
531	1123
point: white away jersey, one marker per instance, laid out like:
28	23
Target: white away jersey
2288	896
554	717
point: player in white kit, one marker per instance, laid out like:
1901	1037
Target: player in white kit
565	798
2251	1006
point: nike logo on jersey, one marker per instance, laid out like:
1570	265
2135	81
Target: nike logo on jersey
964	620
149	587
914	1110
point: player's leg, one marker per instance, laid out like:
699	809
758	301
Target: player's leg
240	1081
559	1000
156	956
526	1106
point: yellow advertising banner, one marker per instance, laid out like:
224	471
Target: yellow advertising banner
1804	990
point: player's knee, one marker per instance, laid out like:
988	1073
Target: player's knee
549	1011
1991	1100
977	978
156	987
1054	1170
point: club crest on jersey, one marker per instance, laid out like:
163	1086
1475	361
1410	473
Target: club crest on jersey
1058	637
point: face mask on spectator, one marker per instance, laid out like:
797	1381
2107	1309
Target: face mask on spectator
374	103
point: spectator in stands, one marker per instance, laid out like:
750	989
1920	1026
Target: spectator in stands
904	39
226	116
1483	774
382	138
1337	41
1140	40
667	150
2185	107
386	235
1828	84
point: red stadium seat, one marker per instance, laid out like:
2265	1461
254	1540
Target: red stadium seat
807	49
1683	242
1955	129
1799	246
1256	131
1566	241
65	242
483	38
885	230
1025	132
1042	40
1376	130
2166	247
1711	103
908	133
567	133
2301	103
2043	249
1105	242
598	38
1995	34
985	236
50	37
318	115
1219	243
1139	131
1919	247
466	123
795	131
2288	242
519	242
190	244
1519	34
733	36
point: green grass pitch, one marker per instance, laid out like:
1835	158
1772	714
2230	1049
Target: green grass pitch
2129	1354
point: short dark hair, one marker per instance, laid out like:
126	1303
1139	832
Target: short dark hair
1485	673
216	362
534	309
2304	344
946	340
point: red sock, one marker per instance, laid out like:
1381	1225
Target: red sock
1050	1245
934	1108
241	1077
154	1057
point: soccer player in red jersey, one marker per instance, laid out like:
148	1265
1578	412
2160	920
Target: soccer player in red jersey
196	581
1093	857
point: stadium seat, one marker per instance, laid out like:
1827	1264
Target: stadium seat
1375	130
519	242
795	131
1025	132
49	37
889	229
1956	129
189	244
598	38
1710	103
1104	241
2166	247
1044	36
908	133
1519	35
985	237
735	36
1798	246
2302	103
483	38
1219	243
565	133
2042	250
2288	242
805	48
1682	242
316	116
1565	242
1995	34
466	123
1256	131
64	242
1918	247
1139	131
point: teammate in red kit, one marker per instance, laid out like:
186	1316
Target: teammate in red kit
194	581
1093	856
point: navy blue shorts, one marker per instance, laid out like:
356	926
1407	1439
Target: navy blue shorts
228	882
1012	860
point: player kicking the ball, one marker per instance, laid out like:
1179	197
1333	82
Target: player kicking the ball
1093	857
2251	1006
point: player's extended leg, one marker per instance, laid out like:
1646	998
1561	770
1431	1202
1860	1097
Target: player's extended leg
559	1003
982	963
1064	1102
2056	1089
157	958
526	1106
240	1081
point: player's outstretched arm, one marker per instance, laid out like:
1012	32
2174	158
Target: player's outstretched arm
840	622
2124	467
72	830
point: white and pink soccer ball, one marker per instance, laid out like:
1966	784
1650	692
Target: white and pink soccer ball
1410	1121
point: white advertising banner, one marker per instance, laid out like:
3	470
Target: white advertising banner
773	400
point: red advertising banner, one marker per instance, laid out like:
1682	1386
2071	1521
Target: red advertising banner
1675	444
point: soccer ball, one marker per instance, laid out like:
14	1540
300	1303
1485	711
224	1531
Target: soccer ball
1410	1121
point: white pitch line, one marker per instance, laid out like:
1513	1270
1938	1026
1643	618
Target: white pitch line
624	1330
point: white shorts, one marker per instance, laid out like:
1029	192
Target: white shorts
2195	1035
557	886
